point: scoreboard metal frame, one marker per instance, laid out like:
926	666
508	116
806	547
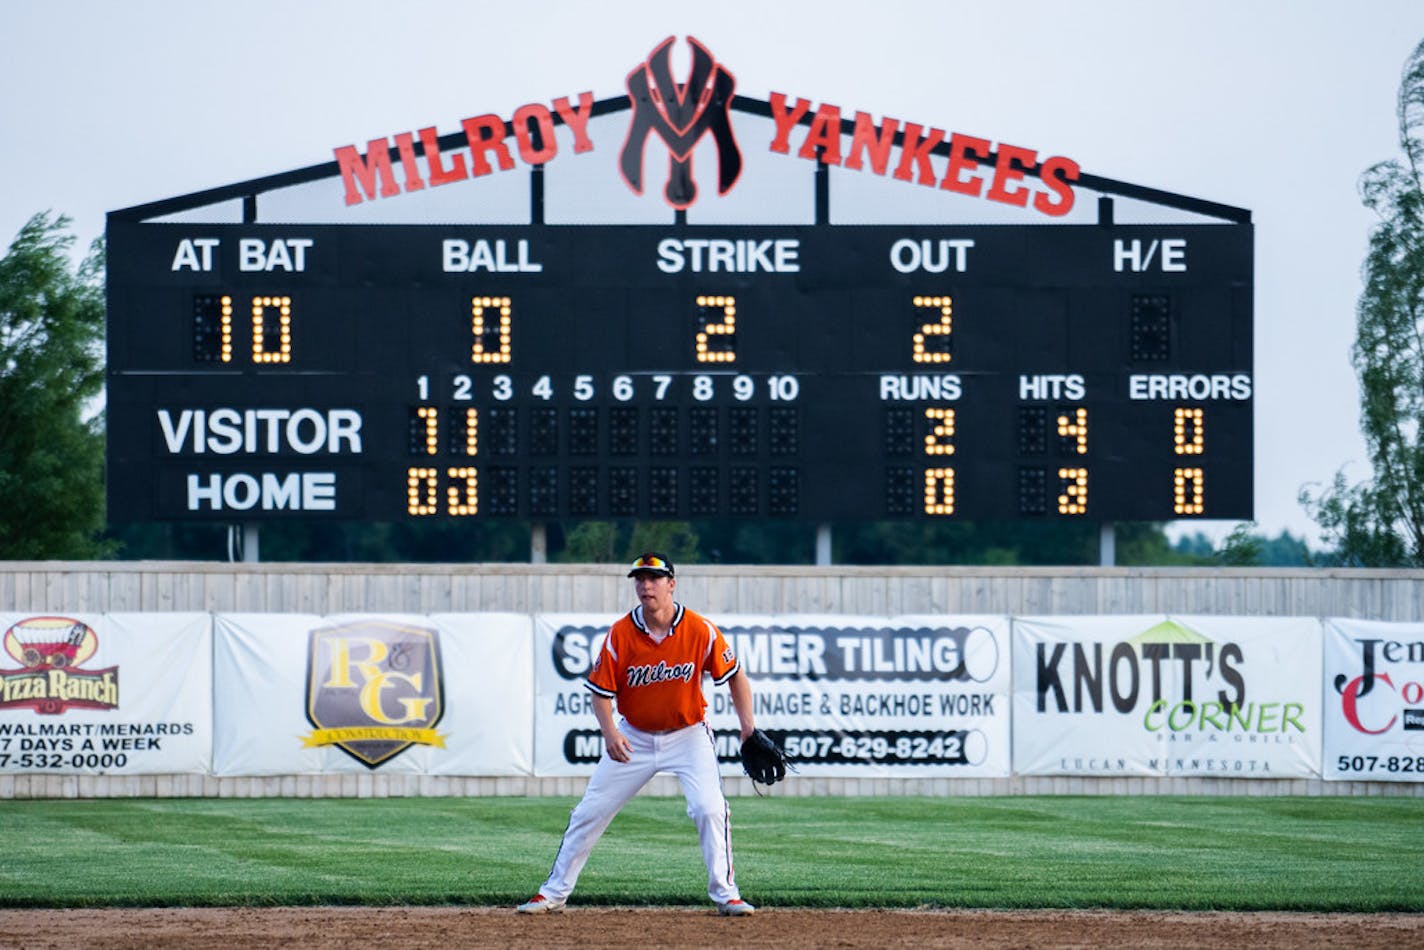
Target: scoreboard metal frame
819	373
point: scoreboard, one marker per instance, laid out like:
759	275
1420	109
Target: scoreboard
818	373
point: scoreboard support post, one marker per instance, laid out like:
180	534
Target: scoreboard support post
243	543
1107	544
823	543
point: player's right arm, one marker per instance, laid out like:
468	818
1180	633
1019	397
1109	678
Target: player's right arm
617	744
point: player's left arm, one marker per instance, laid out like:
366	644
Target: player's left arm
741	688
723	665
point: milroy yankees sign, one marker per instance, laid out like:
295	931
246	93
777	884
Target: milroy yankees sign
681	113
1066	366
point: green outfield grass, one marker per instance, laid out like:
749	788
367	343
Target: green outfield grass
1188	853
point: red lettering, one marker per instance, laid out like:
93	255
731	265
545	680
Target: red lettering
485	133
918	154
965	154
873	141
405	142
439	175
542	118
1056	173
577	119
1348	705
354	170
825	134
1013	162
785	120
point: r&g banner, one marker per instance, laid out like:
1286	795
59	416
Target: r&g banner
443	694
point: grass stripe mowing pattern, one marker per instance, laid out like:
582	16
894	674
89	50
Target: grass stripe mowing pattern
1193	853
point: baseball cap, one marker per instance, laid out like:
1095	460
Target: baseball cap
651	563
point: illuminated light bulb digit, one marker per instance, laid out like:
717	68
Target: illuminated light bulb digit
421	491
480	329
921	353
1189	491
463	498
726	327
940	439
1188	431
1075	427
1074	497
939	491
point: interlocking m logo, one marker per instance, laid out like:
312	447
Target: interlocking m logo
681	113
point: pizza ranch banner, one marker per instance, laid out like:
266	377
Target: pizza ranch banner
1374	700
1226	697
911	696
118	694
445	694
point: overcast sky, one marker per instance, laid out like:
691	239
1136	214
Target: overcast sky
1276	107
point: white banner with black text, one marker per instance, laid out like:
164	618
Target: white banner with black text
443	694
1229	697
1374	700
910	696
115	694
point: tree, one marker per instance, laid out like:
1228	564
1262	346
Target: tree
1242	548
51	370
605	541
1381	522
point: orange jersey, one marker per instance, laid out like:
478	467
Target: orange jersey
658	686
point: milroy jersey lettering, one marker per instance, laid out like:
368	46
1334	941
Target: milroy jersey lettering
658	686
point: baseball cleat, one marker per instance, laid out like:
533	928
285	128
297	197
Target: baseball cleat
738	908
539	904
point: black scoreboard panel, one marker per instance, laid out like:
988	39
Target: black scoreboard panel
819	373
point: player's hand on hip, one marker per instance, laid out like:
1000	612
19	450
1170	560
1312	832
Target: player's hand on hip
618	746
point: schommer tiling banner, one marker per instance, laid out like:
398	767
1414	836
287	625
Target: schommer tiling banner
912	696
1374	700
1232	697
444	694
118	694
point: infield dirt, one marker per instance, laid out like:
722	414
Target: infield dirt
403	927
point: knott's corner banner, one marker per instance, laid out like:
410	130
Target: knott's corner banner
1374	700
119	694
301	694
913	696
1230	697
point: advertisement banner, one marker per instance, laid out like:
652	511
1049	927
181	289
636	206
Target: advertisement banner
1374	700
105	694
912	696
301	694
1226	697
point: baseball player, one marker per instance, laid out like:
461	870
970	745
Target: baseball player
651	664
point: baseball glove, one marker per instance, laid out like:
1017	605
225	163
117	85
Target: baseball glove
762	759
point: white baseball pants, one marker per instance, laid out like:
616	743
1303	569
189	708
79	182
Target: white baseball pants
691	755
